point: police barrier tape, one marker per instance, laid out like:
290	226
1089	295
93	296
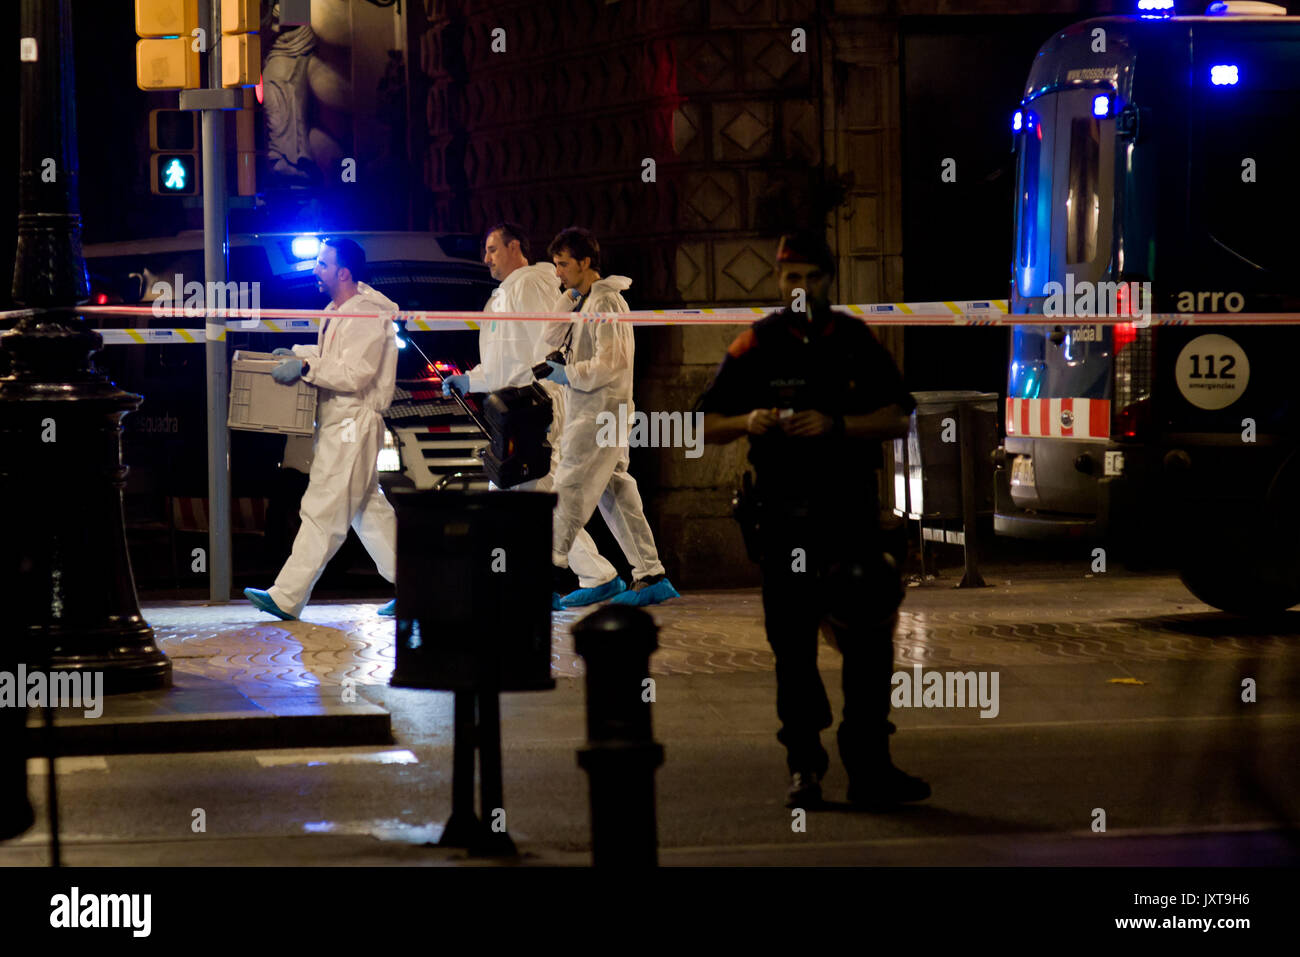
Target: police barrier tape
975	312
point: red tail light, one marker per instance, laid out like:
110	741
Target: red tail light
1132	421
1125	333
1134	367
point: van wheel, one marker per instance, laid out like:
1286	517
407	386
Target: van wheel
1244	575
1250	599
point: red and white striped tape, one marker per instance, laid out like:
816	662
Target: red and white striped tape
1065	418
988	312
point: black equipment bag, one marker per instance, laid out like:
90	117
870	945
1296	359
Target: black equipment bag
516	421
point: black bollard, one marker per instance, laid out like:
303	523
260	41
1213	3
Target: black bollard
621	755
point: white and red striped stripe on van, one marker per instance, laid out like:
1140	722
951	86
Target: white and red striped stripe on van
1066	418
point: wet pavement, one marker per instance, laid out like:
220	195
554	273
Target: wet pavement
1057	621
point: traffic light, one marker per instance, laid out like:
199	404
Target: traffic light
241	45
174	164
174	130
166	59
174	174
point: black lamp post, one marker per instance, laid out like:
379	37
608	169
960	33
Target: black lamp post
70	601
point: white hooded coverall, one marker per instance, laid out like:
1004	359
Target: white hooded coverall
508	351
354	368
599	370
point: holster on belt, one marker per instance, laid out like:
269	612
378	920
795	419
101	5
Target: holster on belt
764	518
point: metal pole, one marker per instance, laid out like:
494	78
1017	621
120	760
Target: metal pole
491	790
463	827
214	266
970	543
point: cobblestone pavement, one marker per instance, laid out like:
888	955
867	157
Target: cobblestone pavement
1061	622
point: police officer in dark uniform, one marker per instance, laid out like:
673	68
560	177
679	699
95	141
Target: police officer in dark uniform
816	394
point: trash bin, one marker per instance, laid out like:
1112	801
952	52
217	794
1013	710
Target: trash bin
927	465
473	590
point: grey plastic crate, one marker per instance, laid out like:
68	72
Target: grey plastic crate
260	404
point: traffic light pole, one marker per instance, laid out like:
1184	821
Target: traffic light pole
214	264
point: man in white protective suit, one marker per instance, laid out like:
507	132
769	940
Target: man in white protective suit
597	378
507	352
354	368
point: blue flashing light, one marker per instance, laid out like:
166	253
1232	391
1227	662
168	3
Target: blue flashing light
1156	5
1216	9
1017	121
305	247
1101	105
1224	74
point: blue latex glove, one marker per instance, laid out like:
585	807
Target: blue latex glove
458	382
557	372
287	372
282	351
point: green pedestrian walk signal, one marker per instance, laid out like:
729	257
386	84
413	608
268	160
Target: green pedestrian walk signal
175	174
174	163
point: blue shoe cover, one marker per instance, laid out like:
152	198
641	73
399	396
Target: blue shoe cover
263	602
650	595
389	610
589	596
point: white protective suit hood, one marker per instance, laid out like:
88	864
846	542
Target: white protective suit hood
609	286
372	296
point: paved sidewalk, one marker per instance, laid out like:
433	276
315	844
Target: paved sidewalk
243	680
1036	621
1120	692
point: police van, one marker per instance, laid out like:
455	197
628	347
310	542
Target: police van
1155	173
165	440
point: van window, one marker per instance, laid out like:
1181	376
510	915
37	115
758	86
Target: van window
1034	205
1083	202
